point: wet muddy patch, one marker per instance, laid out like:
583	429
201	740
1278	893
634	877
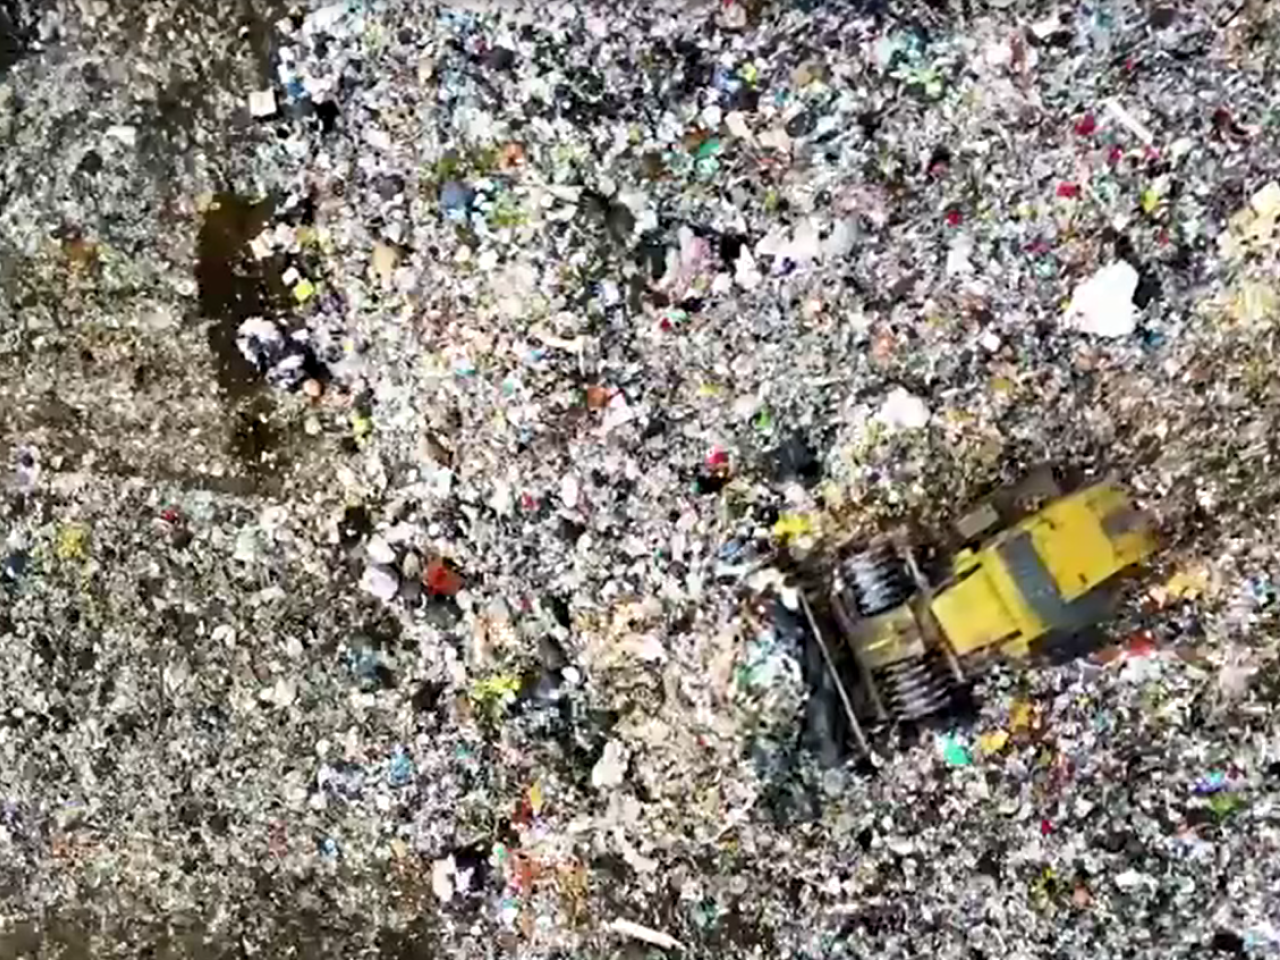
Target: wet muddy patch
234	286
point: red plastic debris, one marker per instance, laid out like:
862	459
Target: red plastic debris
1086	125
954	217
1115	154
1046	828
170	515
524	812
718	459
440	580
527	502
1141	644
1069	190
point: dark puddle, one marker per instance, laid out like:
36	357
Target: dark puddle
233	286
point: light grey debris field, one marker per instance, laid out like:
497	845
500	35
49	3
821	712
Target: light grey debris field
408	412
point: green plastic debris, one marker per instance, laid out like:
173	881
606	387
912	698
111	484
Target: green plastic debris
708	148
1224	805
954	753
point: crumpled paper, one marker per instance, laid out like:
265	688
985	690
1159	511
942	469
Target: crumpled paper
1103	304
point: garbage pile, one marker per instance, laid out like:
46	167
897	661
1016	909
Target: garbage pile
415	416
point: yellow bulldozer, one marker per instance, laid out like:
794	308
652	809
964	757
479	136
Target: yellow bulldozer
1034	570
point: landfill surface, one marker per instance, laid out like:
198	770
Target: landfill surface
407	411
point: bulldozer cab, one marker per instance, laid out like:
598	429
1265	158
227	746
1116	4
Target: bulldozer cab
1043	574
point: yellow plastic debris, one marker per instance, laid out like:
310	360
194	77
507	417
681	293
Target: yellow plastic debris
791	526
495	688
536	797
993	742
1150	200
1020	714
303	290
1187	584
73	542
